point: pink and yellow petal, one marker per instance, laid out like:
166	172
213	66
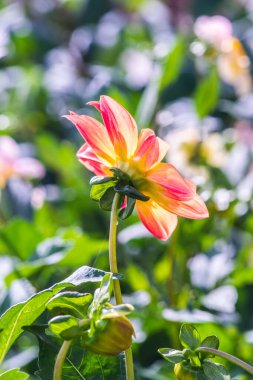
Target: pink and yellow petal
120	125
88	158
192	209
164	180
156	219
95	134
150	150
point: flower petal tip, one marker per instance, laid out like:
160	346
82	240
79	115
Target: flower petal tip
95	104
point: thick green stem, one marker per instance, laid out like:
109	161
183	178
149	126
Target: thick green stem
114	269
247	367
60	359
112	247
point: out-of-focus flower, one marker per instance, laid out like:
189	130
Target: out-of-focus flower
232	60
233	65
213	30
117	145
12	164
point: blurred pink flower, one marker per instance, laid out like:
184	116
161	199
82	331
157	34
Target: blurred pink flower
12	164
233	66
213	30
231	59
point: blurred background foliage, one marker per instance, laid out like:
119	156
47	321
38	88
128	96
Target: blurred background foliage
54	57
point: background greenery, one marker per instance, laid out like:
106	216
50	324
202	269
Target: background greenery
56	56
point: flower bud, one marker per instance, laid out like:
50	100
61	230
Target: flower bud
184	371
115	337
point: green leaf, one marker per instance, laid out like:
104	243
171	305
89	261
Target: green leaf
61	254
14	374
214	371
99	367
103	294
98	190
25	313
130	191
83	250
189	336
172	356
18	316
19	238
210	341
50	251
65	326
127	211
48	349
79	364
87	274
173	63
207	94
73	303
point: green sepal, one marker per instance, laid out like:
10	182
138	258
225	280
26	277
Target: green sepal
130	191
172	356
66	327
120	175
210	341
189	336
98	190
116	311
127	211
99	180
72	303
106	200
215	371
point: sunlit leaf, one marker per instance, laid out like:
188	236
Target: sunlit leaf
73	303
19	238
65	326
207	94
215	371
172	356
173	63
14	374
210	341
25	313
189	336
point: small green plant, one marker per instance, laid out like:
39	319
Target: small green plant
91	322
195	360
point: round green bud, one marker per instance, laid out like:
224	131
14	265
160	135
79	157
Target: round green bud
115	337
184	371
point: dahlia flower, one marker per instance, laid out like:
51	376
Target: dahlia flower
131	164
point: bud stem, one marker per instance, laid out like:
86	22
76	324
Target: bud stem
247	367
60	359
85	324
114	269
